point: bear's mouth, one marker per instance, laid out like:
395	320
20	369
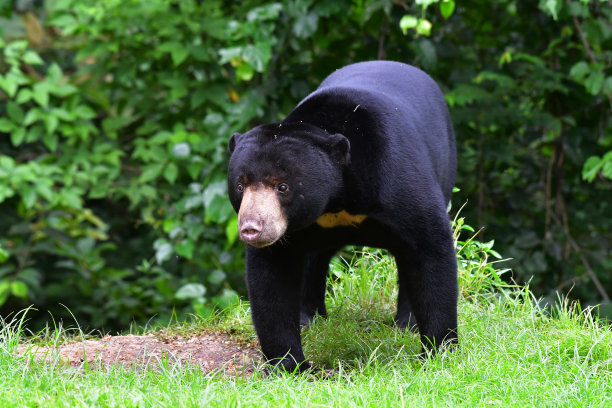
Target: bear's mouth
261	220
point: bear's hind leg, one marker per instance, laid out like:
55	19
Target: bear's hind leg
428	280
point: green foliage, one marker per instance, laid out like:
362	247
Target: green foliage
133	147
478	275
532	122
114	122
595	164
421	24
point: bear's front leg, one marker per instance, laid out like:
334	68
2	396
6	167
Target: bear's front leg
273	276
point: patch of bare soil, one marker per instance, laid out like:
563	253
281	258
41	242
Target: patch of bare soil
211	352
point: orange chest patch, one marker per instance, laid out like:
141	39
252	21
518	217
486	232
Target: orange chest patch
340	219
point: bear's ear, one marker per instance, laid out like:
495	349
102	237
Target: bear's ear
231	145
340	148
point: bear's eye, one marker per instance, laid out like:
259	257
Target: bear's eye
282	188
240	187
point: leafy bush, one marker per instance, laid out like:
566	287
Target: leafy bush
114	118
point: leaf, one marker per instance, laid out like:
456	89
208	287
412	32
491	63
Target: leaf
84	112
178	90
51	141
181	150
17	136
608	83
591	168
552	7
179	55
34	133
64	90
464	94
258	55
218	188
71	198
407	22
41	94
594	82
503	80
6	192
426	51
44	189
219	210
424	27
227	298
425	3
217	276
229	54
231	230
177	51
171	172
193	202
19	289
54	74
32	116
63	114
185	248
190	291
195	166
24	96
28	196
446	8
6	126
198	97
267	12
163	252
244	72
200	53
579	70
9	85
66	21
3	255
305	24
606	170
14	112
85	245
5	291
51	123
151	172
32	58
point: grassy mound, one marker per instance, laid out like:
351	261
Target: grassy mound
511	352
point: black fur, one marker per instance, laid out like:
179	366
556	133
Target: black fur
376	139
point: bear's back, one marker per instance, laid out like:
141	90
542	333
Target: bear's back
387	92
389	78
387	110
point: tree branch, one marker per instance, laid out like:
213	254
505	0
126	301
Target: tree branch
404	5
589	52
382	54
585	263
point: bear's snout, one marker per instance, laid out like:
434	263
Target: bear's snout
261	219
250	230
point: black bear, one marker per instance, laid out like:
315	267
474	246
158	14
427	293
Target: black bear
366	159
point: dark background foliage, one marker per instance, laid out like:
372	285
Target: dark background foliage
114	118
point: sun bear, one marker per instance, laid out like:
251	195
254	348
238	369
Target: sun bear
368	158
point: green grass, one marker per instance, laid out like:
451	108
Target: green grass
511	354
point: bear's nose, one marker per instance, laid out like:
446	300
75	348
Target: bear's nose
250	230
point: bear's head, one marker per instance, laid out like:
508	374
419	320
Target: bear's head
282	177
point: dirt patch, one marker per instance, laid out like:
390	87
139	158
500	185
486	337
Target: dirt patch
211	352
